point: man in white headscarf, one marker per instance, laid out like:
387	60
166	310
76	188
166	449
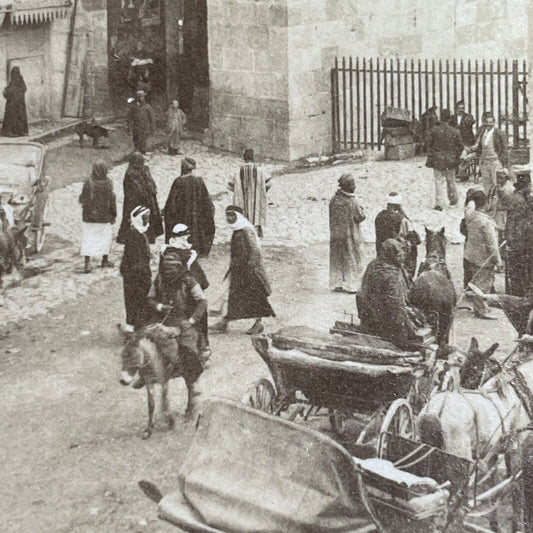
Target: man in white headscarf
135	270
249	287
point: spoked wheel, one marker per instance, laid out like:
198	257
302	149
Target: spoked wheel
400	421
261	395
337	420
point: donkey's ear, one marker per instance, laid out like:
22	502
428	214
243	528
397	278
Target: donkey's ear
442	230
491	350
428	231
473	345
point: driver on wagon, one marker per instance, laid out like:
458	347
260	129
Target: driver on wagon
383	300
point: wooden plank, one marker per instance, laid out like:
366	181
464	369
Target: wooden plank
378	80
74	90
333	111
351	103
371	82
344	114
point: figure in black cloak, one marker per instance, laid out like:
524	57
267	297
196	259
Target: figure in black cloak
249	287
15	122
140	189
189	203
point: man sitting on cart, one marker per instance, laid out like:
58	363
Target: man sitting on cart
383	300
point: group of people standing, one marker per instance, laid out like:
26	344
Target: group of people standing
451	139
382	299
176	296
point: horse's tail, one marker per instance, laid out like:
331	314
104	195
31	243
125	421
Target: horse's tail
430	431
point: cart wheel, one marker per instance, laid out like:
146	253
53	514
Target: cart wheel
261	395
40	231
399	420
337	420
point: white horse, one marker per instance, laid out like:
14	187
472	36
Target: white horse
480	424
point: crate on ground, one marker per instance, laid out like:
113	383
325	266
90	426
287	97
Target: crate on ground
397	153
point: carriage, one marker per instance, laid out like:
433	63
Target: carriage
247	470
24	187
351	374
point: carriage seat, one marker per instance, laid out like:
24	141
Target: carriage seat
417	496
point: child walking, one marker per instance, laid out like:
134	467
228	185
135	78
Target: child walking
99	211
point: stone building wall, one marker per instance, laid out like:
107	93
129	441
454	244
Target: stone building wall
270	60
248	71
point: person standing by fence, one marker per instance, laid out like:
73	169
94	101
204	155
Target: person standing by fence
491	148
444	150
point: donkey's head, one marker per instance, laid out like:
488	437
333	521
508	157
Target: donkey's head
133	360
478	366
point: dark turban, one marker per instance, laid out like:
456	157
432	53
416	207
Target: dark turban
187	165
347	182
234	208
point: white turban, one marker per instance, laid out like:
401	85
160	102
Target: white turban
394	198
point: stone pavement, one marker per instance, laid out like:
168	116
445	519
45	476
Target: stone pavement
297	216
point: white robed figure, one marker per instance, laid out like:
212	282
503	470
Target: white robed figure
250	188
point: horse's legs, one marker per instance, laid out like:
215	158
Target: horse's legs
527	481
493	517
164	405
511	463
150	393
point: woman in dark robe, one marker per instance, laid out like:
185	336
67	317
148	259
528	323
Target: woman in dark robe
249	287
140	189
15	122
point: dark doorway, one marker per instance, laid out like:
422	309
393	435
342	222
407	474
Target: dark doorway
190	77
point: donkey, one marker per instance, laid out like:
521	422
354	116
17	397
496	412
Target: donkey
433	291
153	355
13	242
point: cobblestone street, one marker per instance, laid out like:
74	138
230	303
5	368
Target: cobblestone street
79	455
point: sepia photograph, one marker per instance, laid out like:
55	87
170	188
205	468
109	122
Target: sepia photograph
266	266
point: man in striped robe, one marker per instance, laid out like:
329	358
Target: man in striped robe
250	188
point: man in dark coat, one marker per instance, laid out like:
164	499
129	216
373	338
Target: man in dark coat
140	189
179	248
393	223
141	122
444	151
15	123
519	237
180	302
135	269
382	301
189	203
463	122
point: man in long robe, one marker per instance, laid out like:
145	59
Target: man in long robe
382	301
189	203
141	122
519	237
249	286
345	215
250	191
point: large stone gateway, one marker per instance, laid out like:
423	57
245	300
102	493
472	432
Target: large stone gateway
270	60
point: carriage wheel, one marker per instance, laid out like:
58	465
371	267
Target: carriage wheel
40	231
261	396
400	421
337	420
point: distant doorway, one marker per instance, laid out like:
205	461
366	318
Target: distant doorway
191	73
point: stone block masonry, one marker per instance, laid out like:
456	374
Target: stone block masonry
276	56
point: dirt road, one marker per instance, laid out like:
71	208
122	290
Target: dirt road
70	441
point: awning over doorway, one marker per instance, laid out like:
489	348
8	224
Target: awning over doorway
33	11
